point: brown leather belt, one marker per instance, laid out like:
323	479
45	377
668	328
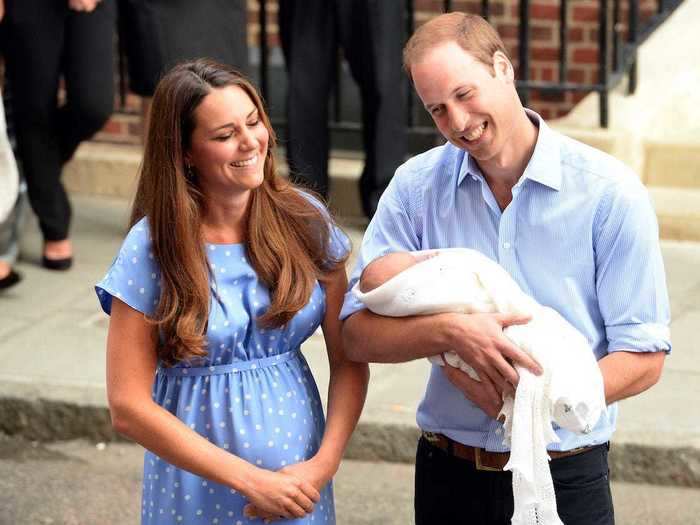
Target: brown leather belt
484	459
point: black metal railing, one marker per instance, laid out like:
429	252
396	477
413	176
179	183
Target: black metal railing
612	67
617	58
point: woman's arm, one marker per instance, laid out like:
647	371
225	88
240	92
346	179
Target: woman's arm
347	387
131	365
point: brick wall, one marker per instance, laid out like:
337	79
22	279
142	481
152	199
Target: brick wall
125	125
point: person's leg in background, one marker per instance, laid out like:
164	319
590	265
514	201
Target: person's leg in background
38	40
308	36
88	70
372	35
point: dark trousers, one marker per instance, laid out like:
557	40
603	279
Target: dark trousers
450	490
42	40
371	33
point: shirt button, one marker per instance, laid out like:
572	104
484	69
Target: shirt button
506	245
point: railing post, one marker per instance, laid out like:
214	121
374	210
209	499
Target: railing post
563	41
262	19
524	48
485	9
447	6
632	32
410	26
617	44
603	36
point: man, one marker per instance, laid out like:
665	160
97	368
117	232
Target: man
572	226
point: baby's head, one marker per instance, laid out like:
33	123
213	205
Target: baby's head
384	268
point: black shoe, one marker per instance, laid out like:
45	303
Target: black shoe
10	279
57	264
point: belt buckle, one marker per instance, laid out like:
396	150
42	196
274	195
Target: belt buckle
432	437
480	466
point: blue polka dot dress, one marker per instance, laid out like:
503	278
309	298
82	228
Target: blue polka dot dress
253	396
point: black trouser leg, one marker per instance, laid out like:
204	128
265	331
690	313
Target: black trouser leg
372	35
89	76
308	37
450	490
33	48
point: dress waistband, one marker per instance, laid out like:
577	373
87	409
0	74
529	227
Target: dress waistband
232	368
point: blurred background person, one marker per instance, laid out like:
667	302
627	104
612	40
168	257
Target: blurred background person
157	34
371	34
10	201
45	40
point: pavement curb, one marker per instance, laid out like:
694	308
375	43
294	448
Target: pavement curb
49	420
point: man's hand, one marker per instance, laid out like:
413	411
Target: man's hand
83	5
479	340
482	393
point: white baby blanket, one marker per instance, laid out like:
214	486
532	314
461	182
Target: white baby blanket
569	392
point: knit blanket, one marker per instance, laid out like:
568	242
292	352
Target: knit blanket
569	392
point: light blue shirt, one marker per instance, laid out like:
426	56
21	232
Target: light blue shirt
580	236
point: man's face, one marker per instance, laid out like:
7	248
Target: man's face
473	107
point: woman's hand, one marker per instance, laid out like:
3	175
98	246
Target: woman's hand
280	494
313	471
83	5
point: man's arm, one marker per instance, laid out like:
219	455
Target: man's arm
626	374
477	338
632	292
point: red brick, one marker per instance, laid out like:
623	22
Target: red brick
583	13
544	12
508	31
544	53
575	34
541	33
577	76
585	55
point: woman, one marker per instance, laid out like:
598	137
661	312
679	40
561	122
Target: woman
214	289
44	41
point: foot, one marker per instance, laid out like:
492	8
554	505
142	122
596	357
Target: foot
55	250
8	277
5	269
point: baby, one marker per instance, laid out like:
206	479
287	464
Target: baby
464	280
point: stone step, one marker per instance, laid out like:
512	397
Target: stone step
678	210
672	163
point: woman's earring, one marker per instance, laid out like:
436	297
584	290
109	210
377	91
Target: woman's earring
189	172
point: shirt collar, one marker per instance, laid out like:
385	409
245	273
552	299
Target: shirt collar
544	165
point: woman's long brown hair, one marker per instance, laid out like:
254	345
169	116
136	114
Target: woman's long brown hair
287	235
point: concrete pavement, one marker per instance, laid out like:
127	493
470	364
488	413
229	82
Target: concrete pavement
52	340
83	485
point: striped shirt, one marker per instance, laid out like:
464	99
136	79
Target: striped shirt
580	236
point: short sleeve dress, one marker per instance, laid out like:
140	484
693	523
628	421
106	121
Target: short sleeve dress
253	396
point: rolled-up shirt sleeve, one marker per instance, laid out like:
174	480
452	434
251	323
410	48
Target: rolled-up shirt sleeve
630	277
393	228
